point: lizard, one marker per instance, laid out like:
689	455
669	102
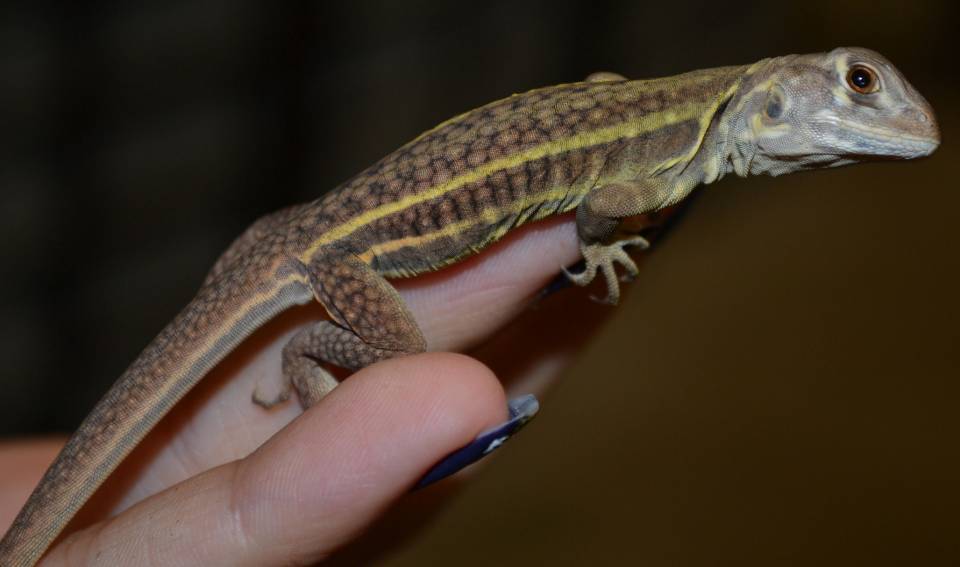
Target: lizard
607	147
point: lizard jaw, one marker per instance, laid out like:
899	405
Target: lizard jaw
852	137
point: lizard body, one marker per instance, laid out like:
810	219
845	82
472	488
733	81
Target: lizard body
607	147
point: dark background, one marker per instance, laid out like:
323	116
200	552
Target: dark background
779	388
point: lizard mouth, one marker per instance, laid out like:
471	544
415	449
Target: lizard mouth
888	142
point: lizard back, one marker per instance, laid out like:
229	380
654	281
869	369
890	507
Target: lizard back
463	185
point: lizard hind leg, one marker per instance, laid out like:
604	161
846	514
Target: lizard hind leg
370	323
605	77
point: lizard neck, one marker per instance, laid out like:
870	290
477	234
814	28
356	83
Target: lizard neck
730	141
736	150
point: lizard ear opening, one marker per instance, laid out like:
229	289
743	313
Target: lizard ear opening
774	106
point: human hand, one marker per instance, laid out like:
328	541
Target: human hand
222	481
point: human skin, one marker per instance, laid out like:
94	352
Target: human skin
222	481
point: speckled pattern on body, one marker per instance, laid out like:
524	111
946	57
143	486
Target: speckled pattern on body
609	148
510	128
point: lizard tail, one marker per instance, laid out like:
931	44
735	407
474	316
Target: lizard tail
224	312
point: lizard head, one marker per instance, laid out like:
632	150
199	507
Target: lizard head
826	109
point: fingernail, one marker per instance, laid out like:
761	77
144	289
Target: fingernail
559	282
522	410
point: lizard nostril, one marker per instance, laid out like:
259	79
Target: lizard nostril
916	114
930	122
924	121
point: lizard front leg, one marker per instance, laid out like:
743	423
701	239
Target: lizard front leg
598	217
370	323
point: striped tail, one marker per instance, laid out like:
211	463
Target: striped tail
223	314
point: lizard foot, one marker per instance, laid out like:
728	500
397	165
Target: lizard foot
267	402
604	257
310	380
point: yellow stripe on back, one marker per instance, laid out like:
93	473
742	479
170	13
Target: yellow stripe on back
633	128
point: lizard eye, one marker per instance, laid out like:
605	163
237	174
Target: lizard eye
863	79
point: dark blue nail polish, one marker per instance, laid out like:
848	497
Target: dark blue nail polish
559	282
522	410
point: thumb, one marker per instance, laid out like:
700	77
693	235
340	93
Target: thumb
317	483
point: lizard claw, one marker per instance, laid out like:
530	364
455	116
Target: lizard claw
603	257
583	278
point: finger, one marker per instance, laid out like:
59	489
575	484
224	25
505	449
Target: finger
459	306
317	483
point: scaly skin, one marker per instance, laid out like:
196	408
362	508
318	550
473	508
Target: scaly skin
608	147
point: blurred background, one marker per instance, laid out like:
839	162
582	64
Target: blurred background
780	386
